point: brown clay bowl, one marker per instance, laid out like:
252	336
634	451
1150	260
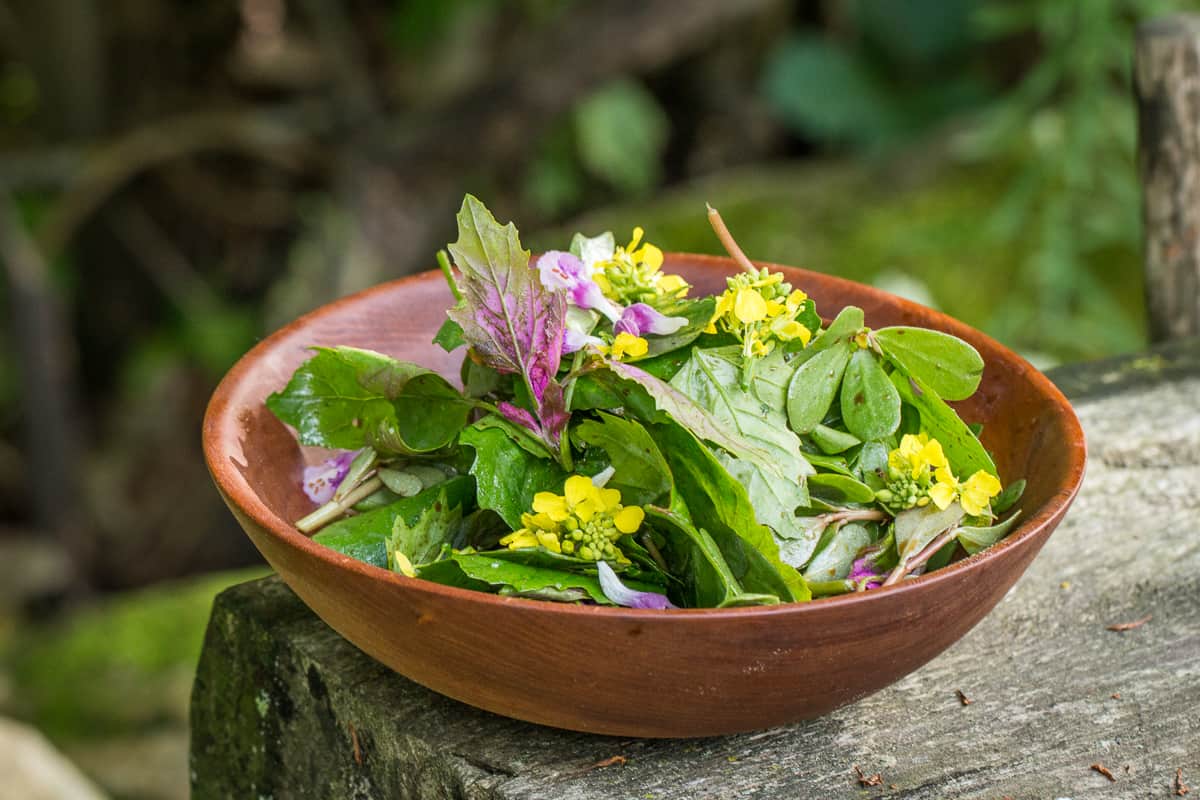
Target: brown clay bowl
619	671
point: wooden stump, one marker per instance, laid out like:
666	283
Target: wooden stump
1167	85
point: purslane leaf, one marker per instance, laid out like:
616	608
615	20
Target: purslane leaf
512	322
814	385
944	363
974	539
870	404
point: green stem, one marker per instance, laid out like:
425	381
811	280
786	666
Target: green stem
443	260
336	508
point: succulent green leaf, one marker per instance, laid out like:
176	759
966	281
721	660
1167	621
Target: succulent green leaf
833	561
835	488
814	384
918	527
944	363
870	403
975	539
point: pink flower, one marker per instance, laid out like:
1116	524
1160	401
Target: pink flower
561	271
622	595
864	569
322	480
640	319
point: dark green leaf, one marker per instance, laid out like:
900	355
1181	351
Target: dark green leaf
341	393
449	336
421	539
814	385
940	421
641	473
839	489
1008	498
719	504
944	363
694	557
870	404
482	572
508	476
975	539
430	413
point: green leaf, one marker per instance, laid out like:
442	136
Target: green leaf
774	501
830	463
483	572
590	249
365	536
603	389
845	326
918	527
641	475
814	385
751	424
430	413
1008	498
831	440
834	560
719	504
507	475
870	403
340	394
975	539
422	539
962	449
944	363
449	336
872	464
694	557
839	489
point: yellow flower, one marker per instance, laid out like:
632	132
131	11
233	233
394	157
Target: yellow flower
673	285
585	520
749	306
919	452
942	493
628	345
978	491
403	565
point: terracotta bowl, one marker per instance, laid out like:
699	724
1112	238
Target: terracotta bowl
618	671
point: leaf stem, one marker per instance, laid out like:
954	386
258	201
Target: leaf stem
651	548
907	566
336	508
728	242
443	260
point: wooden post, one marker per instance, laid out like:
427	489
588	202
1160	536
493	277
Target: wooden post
1167	86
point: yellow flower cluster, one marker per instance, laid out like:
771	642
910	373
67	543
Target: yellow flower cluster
919	474
634	275
760	310
585	521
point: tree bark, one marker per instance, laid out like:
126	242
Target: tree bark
1167	86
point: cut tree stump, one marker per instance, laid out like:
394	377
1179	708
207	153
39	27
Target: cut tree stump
285	708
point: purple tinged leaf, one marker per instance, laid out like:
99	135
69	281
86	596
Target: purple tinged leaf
322	480
622	595
514	323
639	319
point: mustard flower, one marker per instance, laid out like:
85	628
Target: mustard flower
633	274
760	309
585	521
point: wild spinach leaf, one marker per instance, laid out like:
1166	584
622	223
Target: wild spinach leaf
507	475
641	474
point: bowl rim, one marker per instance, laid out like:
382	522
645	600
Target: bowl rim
222	419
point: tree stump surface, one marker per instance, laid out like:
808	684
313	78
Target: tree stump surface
285	708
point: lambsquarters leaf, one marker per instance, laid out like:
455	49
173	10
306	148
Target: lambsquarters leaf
346	398
944	363
512	322
507	476
641	474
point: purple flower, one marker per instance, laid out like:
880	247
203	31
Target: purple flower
322	480
864	569
564	272
574	340
639	319
622	595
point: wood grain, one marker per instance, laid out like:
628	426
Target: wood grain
1167	85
